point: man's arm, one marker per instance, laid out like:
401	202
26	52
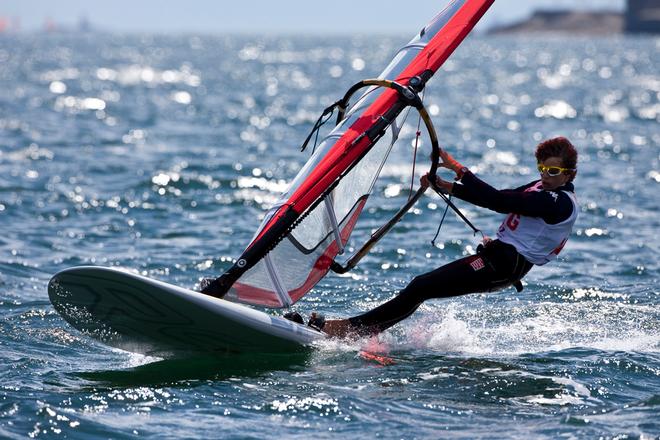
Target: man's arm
552	206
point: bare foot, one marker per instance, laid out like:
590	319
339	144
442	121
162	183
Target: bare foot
338	328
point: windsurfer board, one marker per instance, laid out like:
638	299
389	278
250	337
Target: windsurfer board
151	317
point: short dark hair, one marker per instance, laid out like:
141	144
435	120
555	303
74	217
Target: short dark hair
558	147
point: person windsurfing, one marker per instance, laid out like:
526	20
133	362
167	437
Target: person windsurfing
540	218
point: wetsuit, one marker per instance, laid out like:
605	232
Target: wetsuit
497	264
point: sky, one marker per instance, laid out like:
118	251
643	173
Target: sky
262	16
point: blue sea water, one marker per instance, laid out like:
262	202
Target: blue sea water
160	154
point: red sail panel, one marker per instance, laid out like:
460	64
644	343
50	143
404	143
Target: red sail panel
436	52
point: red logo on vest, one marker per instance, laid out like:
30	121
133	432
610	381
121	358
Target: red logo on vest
477	264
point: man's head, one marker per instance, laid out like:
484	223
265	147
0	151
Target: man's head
557	159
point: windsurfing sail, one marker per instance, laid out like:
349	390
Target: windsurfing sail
310	224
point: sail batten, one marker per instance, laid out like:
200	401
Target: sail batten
333	219
282	294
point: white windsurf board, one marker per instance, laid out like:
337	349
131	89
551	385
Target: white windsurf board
151	317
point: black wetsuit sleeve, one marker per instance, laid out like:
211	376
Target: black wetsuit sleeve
552	206
524	187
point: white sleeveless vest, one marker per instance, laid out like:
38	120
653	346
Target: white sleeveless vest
534	239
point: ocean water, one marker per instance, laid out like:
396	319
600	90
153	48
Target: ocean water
160	154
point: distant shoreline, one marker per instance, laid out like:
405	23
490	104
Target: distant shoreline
565	21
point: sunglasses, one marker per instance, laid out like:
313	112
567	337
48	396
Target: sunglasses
552	171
